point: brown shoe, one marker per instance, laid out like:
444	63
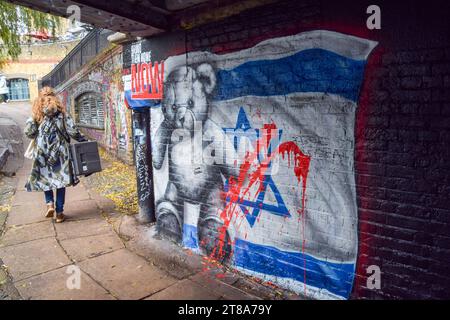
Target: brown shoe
60	217
50	210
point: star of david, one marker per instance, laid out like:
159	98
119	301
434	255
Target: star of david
252	209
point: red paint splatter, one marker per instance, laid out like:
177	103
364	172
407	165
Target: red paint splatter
220	275
301	165
301	169
237	192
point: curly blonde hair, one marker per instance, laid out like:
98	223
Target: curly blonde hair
48	99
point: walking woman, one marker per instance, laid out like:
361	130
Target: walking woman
52	128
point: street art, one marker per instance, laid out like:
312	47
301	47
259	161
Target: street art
104	78
111	133
271	189
143	81
86	86
94	134
185	102
122	123
142	171
146	80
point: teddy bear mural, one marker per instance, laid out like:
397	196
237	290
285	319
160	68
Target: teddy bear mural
283	206
196	148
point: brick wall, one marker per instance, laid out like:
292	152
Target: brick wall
396	138
102	77
36	61
402	170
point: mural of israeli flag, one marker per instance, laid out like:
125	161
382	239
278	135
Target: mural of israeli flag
306	86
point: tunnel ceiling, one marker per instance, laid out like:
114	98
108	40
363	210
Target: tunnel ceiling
135	17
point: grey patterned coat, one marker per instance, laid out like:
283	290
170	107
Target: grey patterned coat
52	168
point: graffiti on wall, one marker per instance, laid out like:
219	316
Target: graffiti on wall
122	123
253	152
104	78
143	81
146	80
142	169
86	86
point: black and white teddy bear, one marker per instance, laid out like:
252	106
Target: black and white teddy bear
195	178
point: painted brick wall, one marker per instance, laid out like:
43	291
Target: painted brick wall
103	77
398	139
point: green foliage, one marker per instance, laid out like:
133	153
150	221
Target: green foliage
17	20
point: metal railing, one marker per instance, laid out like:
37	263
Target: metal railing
87	49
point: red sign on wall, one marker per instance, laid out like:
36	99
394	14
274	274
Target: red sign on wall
147	80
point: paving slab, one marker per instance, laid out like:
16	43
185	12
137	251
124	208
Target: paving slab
81	228
221	274
225	291
105	204
126	275
83	209
265	292
26	167
73	194
26	214
80	249
24	171
19	234
28	198
53	286
144	241
185	290
7	289
3	217
77	193
21	182
32	258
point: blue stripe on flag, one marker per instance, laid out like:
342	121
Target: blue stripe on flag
337	278
190	236
312	70
140	103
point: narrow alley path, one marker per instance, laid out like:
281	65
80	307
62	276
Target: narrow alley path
38	252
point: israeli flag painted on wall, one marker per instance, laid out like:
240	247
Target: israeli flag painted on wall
307	85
